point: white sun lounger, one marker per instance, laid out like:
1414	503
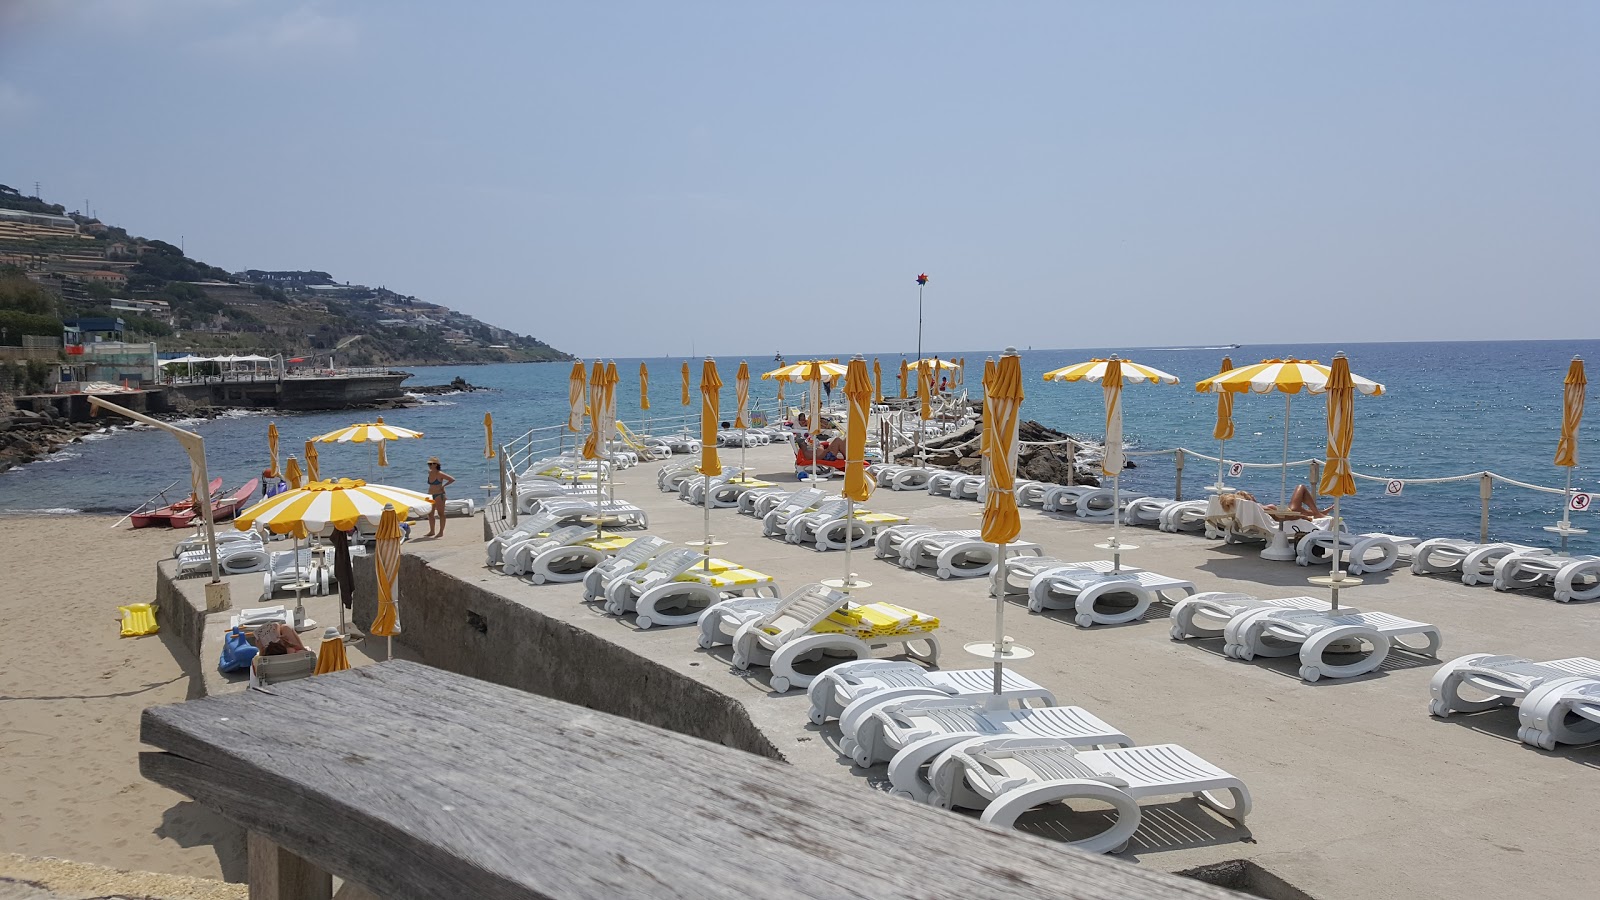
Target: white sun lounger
1279	632
730	494
224	538
941	481
785	636
1572	577
904	478
839	692
970	487
1374	552
629	559
748	499
888	541
621	589
1478	565
1187	515
1020	570
957	554
252	619
693	489
1507	680
1444	556
619	513
1145	510
683	443
1089	593
1190	615
495	550
1097	503
1561	711
910	733
564	556
767	504
280	573
776	521
1007	776
670	477
684	598
1063	498
233	557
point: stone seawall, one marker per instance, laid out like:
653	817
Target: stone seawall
462	628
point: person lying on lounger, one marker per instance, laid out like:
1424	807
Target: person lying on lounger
1303	503
834	449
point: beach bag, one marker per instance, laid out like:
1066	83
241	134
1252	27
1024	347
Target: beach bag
237	651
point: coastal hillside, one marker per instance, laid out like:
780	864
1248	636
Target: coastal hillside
71	265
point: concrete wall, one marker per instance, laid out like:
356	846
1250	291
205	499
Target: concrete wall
180	606
461	628
304	394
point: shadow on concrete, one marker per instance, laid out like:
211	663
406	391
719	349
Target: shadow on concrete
1502	724
1176	825
1289	666
192	825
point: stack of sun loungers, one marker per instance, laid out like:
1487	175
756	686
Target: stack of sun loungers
950	554
1557	701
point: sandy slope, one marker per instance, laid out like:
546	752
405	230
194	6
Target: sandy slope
71	692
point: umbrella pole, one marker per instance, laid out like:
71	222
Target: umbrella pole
1566	510
1283	487
299	605
999	614
1116	522
1334	574
705	501
1222	464
849	538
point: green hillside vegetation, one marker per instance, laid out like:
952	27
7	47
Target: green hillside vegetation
50	270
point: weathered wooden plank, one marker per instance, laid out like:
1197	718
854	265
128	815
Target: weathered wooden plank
277	874
419	783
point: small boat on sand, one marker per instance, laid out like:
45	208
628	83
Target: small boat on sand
172	513
227	506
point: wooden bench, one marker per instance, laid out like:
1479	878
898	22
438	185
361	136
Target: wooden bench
417	783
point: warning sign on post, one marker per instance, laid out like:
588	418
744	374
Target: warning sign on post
1393	487
1235	469
1579	502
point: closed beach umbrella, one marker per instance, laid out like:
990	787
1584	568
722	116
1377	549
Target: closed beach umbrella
592	446
1002	398
383	455
272	449
877	381
686	383
330	653
1223	431
644	387
814	411
710	417
313	471
1113	374
344	573
612	380
741	395
1288	377
984	446
1336	478
576	384
386	553
488	435
291	472
1567	448
904	377
858	396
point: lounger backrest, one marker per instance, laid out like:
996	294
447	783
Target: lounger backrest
674	562
568	535
802	610
798	502
833	509
287	667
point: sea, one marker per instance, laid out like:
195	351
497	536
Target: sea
1449	409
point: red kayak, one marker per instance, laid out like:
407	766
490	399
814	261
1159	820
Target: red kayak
171	515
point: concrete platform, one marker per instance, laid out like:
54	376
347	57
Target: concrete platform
1358	792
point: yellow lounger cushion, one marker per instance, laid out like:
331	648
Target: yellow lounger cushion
138	619
727	578
872	518
877	620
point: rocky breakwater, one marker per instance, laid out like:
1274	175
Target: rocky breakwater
1043	455
457	385
26	436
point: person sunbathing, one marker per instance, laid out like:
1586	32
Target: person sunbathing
1302	504
834	449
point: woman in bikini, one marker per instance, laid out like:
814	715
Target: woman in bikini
437	482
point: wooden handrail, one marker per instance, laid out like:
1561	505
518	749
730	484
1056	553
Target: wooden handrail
418	783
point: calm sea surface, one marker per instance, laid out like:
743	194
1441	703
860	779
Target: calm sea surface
1450	409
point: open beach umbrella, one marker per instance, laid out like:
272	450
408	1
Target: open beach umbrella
904	377
1223	431
1336	478
710	418
1113	374
488	435
386	553
577	382
858	396
685	382
803	371
313	470
292	474
1572	397
272	449
367	432
1288	377
877	381
330	653
937	365
1002	398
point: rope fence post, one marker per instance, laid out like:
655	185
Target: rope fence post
1485	491
1315	471
1177	464
1072	462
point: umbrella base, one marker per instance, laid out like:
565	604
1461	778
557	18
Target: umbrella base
846	585
1279	548
1008	650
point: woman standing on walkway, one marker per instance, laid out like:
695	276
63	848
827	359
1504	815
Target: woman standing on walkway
437	482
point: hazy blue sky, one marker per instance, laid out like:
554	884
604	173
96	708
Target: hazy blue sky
623	178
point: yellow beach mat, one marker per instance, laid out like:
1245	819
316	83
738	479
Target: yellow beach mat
608	543
138	619
872	518
877	620
735	577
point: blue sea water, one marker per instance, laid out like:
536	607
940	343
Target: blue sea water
1449	409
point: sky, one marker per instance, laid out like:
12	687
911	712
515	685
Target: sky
658	178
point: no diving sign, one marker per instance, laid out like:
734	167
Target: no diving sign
1393	487
1235	469
1579	502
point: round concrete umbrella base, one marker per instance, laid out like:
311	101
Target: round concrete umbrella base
1008	650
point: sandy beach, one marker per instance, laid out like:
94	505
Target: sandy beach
71	691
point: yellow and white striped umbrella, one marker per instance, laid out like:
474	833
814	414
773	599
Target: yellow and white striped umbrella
1288	376
802	371
577	383
1095	370
341	504
936	364
386	556
741	395
363	432
1002	400
612	380
1571	414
